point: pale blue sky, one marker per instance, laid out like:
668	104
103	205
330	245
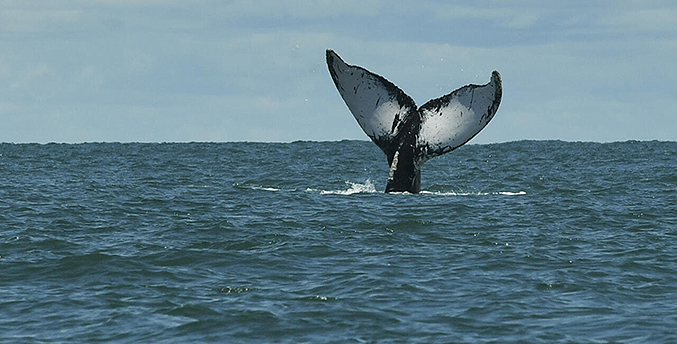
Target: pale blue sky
203	70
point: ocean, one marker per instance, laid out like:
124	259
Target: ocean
517	242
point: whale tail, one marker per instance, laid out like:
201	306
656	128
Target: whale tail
407	134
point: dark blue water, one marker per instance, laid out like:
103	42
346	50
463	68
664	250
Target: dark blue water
520	242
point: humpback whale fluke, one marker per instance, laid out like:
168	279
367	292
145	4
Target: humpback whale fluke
407	134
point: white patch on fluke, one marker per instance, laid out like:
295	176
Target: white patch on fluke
450	121
377	104
393	165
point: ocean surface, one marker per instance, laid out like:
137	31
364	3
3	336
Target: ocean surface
518	242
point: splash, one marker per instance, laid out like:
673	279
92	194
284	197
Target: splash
353	188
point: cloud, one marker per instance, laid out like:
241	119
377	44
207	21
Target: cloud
36	20
505	14
653	20
322	9
25	78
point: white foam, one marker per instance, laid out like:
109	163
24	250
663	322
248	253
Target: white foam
368	187
353	188
452	193
256	187
508	193
263	188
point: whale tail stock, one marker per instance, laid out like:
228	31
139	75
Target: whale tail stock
407	134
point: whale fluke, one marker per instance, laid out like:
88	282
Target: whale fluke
407	134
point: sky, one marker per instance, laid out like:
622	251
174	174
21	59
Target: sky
219	71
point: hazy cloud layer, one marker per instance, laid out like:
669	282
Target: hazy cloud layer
150	70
